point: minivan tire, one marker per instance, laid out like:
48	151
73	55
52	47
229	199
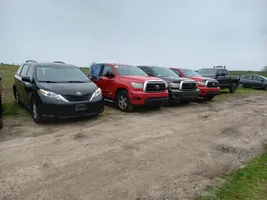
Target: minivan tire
123	101
17	97
37	118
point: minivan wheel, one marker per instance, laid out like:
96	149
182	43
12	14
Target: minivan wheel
17	97
123	101
35	113
265	87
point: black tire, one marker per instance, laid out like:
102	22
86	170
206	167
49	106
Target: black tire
233	87
208	98
1	122
17	97
37	118
123	101
241	85
265	87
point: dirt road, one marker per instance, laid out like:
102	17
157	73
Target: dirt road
170	153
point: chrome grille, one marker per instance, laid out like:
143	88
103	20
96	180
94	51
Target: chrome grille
155	86
189	86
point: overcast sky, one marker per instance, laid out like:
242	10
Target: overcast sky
171	33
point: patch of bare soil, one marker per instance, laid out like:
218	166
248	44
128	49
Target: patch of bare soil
171	153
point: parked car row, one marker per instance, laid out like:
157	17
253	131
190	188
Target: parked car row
59	90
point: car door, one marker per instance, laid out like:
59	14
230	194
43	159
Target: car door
258	82
248	81
221	73
22	84
29	87
105	82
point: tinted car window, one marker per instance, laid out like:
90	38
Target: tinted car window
176	72
147	70
190	73
107	69
19	70
164	72
257	78
30	71
207	72
60	74
24	70
128	70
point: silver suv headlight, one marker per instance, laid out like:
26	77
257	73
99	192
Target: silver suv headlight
137	85
52	95
174	85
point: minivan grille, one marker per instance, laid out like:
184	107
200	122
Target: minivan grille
212	84
84	97
189	86
154	86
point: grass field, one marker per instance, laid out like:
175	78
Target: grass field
246	184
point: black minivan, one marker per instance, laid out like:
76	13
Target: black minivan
56	90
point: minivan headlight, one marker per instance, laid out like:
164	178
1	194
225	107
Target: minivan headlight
96	93
52	95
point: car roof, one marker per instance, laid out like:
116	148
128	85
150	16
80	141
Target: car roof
57	65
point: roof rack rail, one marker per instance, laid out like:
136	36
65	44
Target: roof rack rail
59	62
31	61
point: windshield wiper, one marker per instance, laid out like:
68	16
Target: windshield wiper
48	81
76	82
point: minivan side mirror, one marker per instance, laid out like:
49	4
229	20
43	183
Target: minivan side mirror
26	79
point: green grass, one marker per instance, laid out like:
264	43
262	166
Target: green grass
240	73
246	184
11	108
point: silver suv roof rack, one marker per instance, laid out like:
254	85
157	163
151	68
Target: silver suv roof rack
59	62
31	61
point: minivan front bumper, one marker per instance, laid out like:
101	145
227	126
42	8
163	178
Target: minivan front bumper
55	109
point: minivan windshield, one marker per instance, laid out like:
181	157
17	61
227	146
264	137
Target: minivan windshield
190	73
164	72
128	70
60	75
207	72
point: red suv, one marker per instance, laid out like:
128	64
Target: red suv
209	87
128	86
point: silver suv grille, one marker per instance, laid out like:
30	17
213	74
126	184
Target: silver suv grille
154	86
188	85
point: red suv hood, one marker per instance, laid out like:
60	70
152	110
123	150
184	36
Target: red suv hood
140	79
